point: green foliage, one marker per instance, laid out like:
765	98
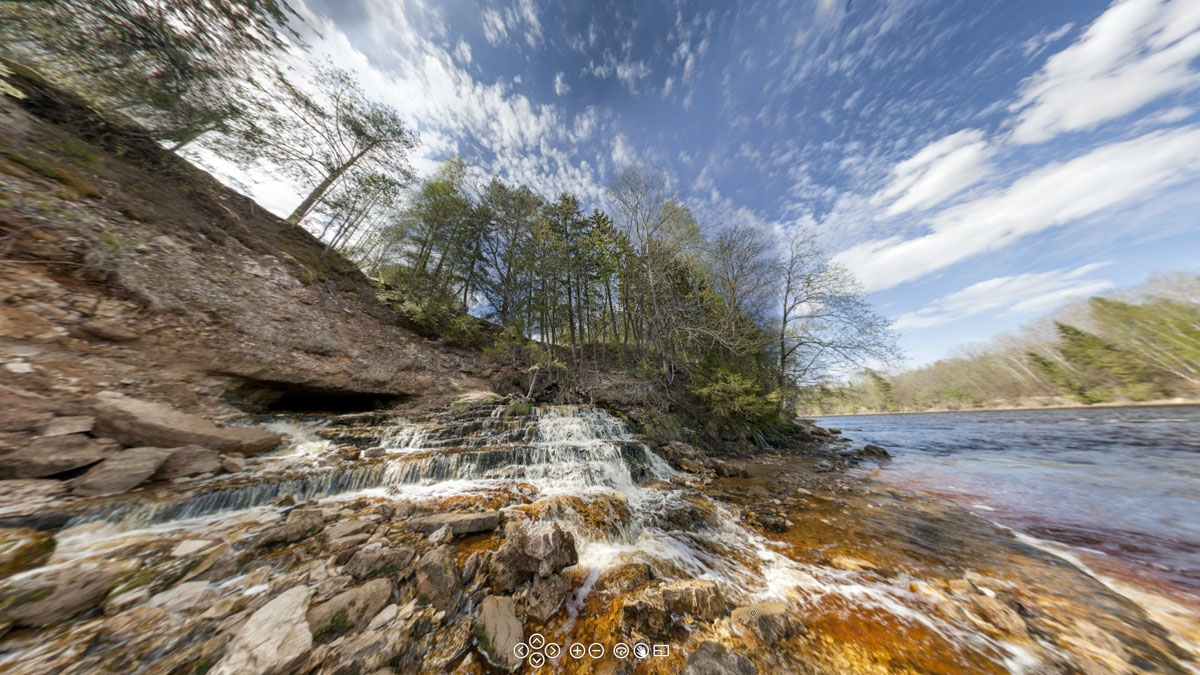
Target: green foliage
465	331
734	397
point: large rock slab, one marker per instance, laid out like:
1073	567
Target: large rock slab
545	596
50	594
23	548
300	524
711	658
460	523
379	562
273	640
190	460
438	581
136	422
121	472
701	599
772	621
541	551
499	630
52	455
350	610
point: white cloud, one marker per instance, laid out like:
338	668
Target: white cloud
463	52
498	24
1053	195
494	28
560	84
939	171
1136	52
623	154
1018	294
1045	38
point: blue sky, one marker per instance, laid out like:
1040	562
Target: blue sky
974	163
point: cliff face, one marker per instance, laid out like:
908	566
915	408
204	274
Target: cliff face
125	268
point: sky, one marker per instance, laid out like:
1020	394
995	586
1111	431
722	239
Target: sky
975	164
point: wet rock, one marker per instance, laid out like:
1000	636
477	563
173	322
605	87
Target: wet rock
350	610
452	642
545	596
23	548
626	577
106	330
646	613
190	460
51	594
729	470
62	426
873	451
135	422
273	639
300	524
379	562
442	535
701	599
349	527
499	630
375	452
52	455
348	453
771	621
233	463
998	614
120	472
183	597
438	582
843	562
459	523
711	658
523	554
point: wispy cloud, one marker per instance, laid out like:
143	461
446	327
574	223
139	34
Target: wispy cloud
939	171
1012	295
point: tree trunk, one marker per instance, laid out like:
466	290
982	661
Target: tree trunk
319	191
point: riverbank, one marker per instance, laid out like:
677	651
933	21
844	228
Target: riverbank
1042	405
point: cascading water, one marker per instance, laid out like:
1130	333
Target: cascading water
584	469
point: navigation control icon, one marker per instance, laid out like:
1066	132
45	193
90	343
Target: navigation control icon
577	650
641	650
621	650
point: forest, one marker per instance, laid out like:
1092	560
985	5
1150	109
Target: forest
738	315
1139	345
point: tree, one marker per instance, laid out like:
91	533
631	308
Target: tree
174	66
316	138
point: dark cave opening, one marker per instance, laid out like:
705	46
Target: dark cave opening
262	396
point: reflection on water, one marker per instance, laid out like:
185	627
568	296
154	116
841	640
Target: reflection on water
1120	485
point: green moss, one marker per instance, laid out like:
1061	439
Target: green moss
201	665
518	410
59	174
339	625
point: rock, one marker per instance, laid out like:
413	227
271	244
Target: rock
452	642
51	594
62	426
349	527
772	621
711	658
373	453
233	463
995	612
380	562
183	597
52	455
135	422
544	552
106	330
350	610
189	460
442	535
459	523
348	453
873	451
647	614
300	524
701	599
545	596
273	640
23	548
728	470
384	617
191	547
438	581
27	497
843	562
498	631
120	472
626	577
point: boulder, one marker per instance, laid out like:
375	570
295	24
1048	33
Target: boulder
545	596
190	460
874	451
499	630
52	455
121	472
106	330
76	424
23	548
27	497
771	621
347	528
136	422
442	535
647	614
273	640
183	597
524	553
233	463
438	581
300	524
349	610
375	452
50	594
460	523
711	658
701	599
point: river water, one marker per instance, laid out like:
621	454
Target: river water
1120	487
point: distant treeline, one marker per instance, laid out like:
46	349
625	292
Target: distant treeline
1134	346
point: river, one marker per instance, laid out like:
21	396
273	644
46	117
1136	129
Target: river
1116	486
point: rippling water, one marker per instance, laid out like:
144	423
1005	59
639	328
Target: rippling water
1120	484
